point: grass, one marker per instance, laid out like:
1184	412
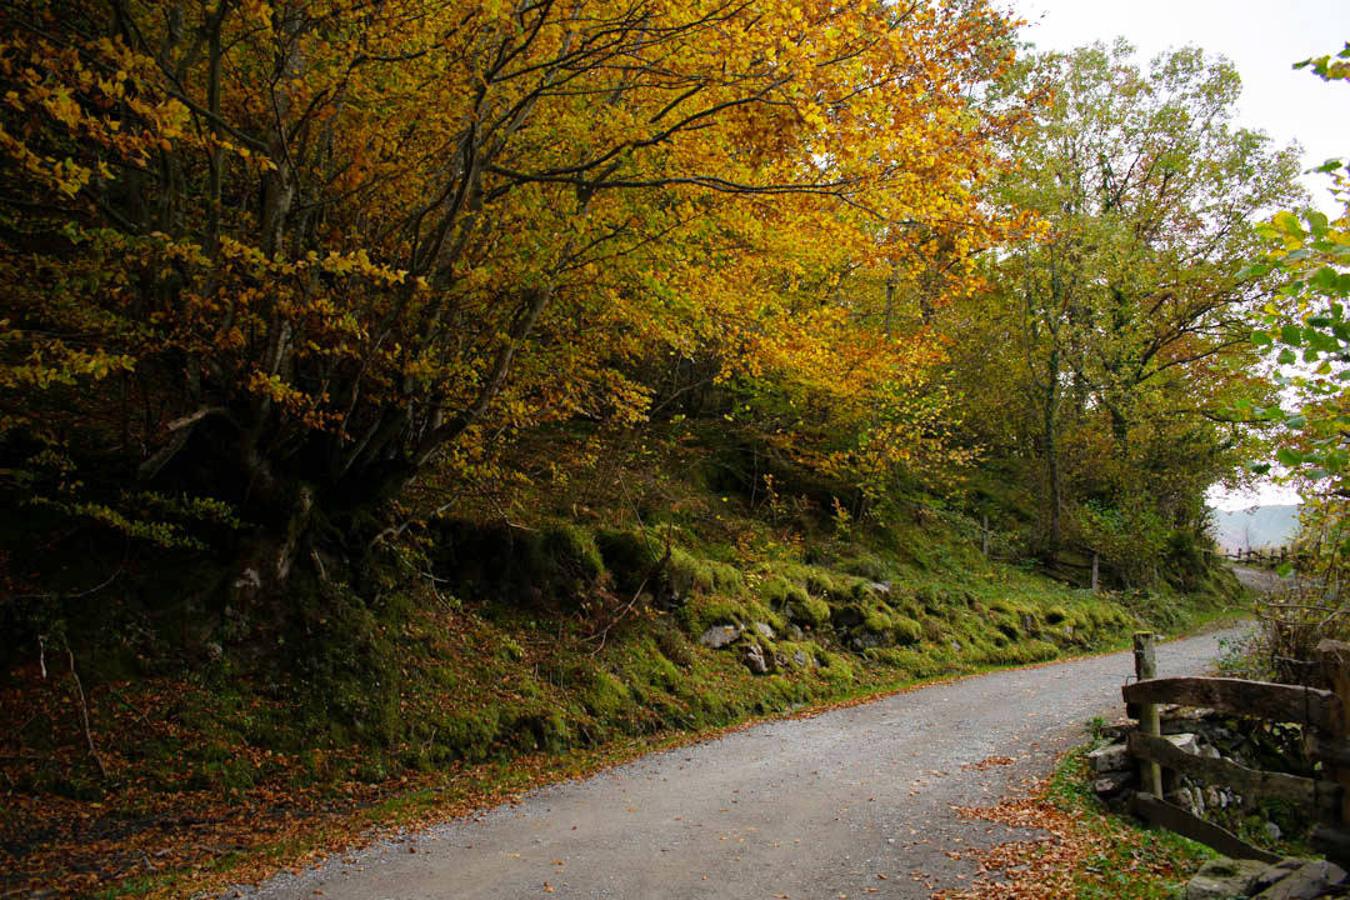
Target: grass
541	655
1089	854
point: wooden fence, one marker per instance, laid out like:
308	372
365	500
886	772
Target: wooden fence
1268	557
1323	713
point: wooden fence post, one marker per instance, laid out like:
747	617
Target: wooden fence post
1094	571
1334	657
984	536
1146	667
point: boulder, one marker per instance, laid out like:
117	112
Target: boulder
1313	879
1223	879
1277	872
718	636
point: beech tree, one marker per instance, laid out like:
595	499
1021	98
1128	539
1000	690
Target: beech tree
265	262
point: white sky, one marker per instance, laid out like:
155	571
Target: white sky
1263	40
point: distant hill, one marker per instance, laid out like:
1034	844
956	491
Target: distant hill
1255	528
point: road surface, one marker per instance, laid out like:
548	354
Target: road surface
817	807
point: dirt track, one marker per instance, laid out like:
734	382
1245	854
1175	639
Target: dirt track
817	807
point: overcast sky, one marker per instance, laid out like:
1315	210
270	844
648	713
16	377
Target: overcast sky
1263	40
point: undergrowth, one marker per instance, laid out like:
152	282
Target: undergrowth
510	648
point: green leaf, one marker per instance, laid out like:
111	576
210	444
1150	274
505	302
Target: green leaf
1289	457
1288	223
1325	279
1261	339
1284	569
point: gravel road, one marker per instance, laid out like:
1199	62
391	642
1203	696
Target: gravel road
818	807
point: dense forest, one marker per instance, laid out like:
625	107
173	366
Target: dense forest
395	385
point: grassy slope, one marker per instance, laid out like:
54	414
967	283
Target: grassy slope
526	655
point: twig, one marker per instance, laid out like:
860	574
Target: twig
603	634
84	715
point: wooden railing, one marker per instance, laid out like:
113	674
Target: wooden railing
1323	713
1267	557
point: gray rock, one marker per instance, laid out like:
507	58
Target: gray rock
1223	879
764	629
956	646
1112	783
880	587
754	660
1190	799
1187	742
795	633
1111	758
1277	872
718	636
1308	881
867	640
1273	831
801	659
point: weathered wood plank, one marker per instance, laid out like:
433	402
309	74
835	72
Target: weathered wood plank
1260	699
1333	843
1330	750
1161	814
1322	796
1334	657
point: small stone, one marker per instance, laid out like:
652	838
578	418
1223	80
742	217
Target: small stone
1190	799
956	646
880	587
718	636
214	651
1113	783
764	629
795	633
1111	758
1273	831
1187	742
800	658
754	660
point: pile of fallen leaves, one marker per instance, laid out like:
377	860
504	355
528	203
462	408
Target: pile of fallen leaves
1080	849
